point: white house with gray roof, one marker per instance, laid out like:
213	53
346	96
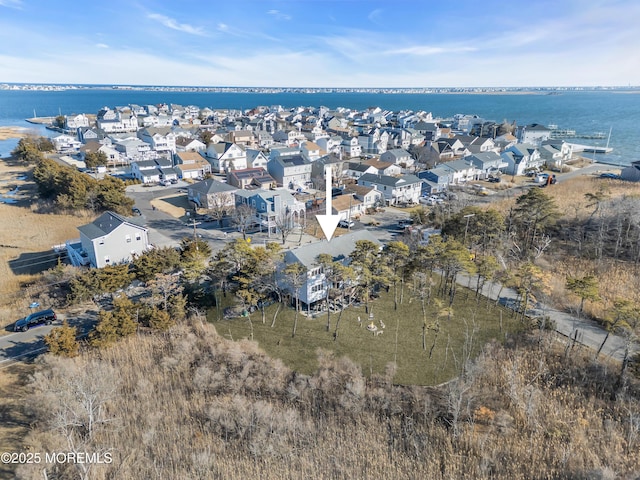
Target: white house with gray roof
109	240
271	208
401	190
314	289
211	193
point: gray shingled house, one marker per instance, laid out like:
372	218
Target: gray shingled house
111	239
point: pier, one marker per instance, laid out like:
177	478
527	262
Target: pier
577	148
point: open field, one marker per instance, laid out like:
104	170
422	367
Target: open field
26	240
471	326
13	132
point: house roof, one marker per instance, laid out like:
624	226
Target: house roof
360	190
105	224
189	157
211	186
339	248
388	180
344	202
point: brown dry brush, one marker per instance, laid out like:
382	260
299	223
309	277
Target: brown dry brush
189	404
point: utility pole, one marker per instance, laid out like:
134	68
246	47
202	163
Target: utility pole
466	227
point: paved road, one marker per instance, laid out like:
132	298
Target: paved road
17	345
586	332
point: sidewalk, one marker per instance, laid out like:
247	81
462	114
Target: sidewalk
586	332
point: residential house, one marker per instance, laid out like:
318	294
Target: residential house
520	158
187	144
191	165
384	168
396	190
86	134
314	289
290	171
347	206
73	122
251	178
272	208
632	172
225	156
533	134
161	139
256	159
110	239
436	179
113	156
350	147
115	121
65	143
211	194
134	149
246	138
358	169
318	167
556	153
463	170
311	151
330	144
149	171
398	156
488	163
369	196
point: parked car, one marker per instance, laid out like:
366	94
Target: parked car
541	178
610	175
346	223
44	317
136	211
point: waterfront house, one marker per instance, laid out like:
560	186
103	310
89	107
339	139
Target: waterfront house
533	134
73	122
520	158
110	239
462	170
113	156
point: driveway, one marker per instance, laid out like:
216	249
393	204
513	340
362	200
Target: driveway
17	345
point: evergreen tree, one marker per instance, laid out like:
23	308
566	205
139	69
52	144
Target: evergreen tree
62	341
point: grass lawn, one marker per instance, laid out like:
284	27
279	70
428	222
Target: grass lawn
472	325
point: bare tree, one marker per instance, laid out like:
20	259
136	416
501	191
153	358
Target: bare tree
244	217
220	205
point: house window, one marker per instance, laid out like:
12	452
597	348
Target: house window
107	259
101	241
138	237
128	238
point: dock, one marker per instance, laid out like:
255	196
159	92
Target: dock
41	120
577	148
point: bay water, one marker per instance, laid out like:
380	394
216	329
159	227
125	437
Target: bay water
586	112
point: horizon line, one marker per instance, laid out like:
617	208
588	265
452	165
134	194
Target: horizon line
283	87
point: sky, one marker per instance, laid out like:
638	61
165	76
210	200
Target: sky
321	43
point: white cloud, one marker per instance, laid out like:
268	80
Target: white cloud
426	50
279	15
173	24
374	16
102	45
11	3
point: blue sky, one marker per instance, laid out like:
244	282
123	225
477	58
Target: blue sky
334	43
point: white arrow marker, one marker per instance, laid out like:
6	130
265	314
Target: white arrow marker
328	222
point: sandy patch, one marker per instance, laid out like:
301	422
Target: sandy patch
13	132
174	205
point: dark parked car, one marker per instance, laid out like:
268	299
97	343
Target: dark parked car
45	317
136	211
